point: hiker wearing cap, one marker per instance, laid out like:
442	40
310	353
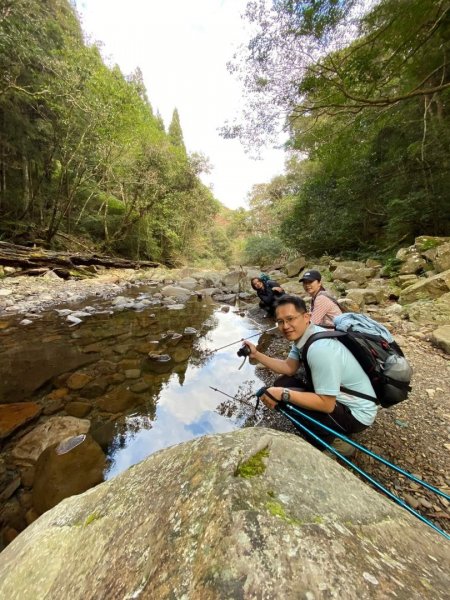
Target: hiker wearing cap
268	292
333	368
323	306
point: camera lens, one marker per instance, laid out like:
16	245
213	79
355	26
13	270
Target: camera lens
243	350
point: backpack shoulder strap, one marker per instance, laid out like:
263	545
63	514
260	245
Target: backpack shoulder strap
332	333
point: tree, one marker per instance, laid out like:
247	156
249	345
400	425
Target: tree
175	132
317	58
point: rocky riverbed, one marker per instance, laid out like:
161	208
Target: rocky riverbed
414	302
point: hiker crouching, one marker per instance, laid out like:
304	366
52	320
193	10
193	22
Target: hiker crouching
332	367
268	292
324	307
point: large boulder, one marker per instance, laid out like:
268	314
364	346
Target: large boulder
424	243
235	281
294	267
430	312
65	469
372	295
174	291
347	272
441	260
250	514
427	288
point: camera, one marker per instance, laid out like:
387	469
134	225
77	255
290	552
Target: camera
244	350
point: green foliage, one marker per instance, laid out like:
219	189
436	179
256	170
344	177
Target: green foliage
81	150
263	250
175	132
391	266
365	91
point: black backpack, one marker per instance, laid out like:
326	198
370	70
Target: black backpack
376	351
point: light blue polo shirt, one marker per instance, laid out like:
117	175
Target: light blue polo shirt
333	366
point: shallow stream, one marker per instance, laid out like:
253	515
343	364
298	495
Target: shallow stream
142	378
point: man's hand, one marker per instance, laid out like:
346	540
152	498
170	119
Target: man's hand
276	393
252	348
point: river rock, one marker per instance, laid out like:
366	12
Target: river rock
118	400
157	363
189	283
347	273
55	429
23	371
78	409
60	475
441	338
294	267
412	262
430	312
233	279
210	291
174	291
441	260
367	296
77	381
13	416
426	288
249	514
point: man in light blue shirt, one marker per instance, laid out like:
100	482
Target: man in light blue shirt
332	367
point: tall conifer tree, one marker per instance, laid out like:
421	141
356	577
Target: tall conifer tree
175	132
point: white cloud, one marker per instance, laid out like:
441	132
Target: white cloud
182	48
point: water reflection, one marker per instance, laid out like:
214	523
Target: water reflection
188	409
100	369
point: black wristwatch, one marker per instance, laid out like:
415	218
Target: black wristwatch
285	395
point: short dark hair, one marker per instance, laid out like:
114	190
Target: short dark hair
298	302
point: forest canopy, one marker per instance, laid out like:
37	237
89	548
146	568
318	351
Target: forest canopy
361	86
363	89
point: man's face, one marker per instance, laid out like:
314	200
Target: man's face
290	322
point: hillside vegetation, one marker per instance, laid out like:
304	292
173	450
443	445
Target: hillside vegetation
83	157
364	91
362	88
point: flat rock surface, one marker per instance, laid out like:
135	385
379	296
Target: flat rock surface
13	416
250	514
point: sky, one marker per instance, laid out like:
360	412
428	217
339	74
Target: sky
182	47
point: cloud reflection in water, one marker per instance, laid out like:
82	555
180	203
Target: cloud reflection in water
190	410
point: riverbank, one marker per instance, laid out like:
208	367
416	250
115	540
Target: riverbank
414	435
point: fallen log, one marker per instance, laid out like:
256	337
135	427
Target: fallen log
24	257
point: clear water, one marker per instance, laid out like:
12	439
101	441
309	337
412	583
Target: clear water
176	406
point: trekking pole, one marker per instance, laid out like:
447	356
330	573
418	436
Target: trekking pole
238	341
391	495
369	453
235	398
378	485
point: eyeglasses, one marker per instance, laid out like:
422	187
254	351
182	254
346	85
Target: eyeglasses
287	320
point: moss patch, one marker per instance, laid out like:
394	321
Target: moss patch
277	510
254	466
89	519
